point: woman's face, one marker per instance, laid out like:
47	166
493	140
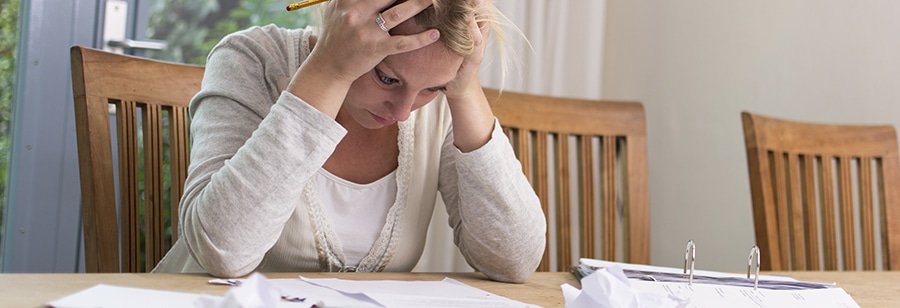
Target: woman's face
401	83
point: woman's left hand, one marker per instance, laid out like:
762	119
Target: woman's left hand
473	121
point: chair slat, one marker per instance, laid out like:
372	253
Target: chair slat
587	196
563	205
181	154
781	203
845	197
538	167
129	207
866	213
153	184
609	197
826	197
797	217
541	172
808	191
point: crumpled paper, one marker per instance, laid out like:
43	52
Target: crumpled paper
254	292
609	287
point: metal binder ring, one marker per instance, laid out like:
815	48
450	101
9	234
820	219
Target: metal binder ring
690	252
754	262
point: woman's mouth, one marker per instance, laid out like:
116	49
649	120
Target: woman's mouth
381	120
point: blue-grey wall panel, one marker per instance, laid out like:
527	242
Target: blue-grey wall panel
42	232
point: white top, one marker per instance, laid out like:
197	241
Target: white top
357	211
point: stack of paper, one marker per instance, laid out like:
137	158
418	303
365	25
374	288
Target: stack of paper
391	293
257	291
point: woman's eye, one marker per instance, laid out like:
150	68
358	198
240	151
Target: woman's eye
385	79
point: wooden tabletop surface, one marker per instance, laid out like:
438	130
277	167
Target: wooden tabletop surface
869	289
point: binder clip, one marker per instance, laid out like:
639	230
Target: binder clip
690	252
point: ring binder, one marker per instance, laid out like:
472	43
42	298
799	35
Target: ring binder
713	289
689	275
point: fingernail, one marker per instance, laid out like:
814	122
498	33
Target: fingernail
435	35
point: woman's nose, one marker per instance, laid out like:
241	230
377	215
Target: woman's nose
401	107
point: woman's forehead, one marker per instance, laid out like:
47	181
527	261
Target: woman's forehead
430	66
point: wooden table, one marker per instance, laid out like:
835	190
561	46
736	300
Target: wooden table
869	289
33	290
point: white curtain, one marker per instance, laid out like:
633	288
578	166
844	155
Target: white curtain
565	58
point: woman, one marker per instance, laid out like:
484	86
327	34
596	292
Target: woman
326	153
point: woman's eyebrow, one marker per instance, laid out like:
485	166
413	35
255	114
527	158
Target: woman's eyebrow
384	69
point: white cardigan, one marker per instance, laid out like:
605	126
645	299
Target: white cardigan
248	203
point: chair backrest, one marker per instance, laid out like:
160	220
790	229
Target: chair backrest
588	153
824	194
135	211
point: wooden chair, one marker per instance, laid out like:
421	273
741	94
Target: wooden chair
150	100
824	194
588	153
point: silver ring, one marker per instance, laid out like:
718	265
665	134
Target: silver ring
380	21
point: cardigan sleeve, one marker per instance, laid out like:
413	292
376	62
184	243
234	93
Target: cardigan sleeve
253	149
496	216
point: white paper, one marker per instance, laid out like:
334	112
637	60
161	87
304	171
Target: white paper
103	295
708	295
254	292
391	293
317	295
608	287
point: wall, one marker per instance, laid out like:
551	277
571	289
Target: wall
42	231
697	64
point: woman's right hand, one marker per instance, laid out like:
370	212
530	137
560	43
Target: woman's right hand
351	41
351	44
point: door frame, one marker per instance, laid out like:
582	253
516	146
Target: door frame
42	230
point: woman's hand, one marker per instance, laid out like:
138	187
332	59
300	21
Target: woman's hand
473	120
351	44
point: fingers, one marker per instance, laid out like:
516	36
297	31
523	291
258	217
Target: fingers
479	25
484	16
403	11
479	32
404	43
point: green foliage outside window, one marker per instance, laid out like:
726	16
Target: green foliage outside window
9	16
193	27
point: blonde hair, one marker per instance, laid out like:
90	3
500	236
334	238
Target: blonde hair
451	18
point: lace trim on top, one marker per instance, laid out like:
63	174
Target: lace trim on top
328	245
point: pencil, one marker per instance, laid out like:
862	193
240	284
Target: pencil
302	4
